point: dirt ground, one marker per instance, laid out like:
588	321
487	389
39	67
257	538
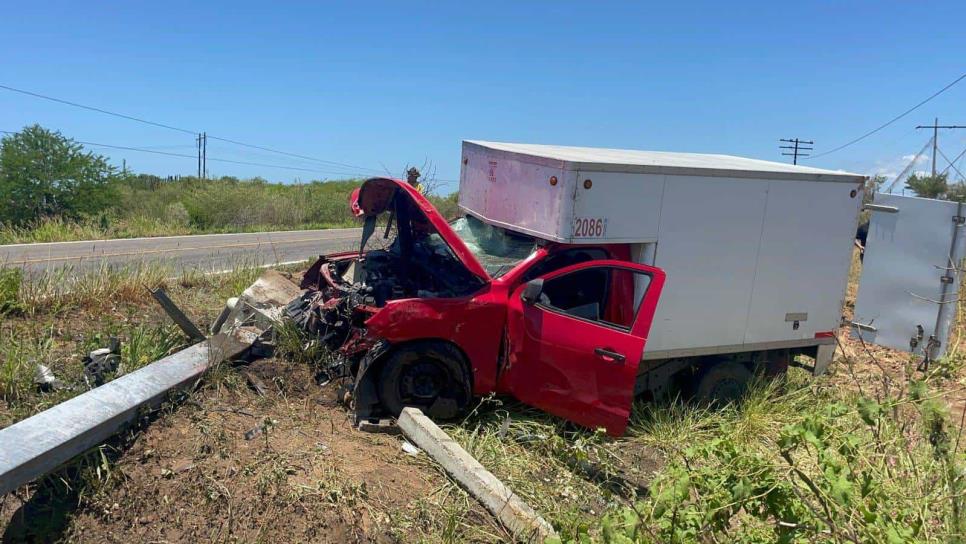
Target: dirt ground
230	465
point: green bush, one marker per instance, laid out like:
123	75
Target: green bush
44	174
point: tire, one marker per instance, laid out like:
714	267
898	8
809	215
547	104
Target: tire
722	383
431	376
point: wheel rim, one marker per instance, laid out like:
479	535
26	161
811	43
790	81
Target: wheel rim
421	382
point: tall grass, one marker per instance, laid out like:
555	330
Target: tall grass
146	344
53	308
56	289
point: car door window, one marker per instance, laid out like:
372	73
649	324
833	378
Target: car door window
606	295
562	259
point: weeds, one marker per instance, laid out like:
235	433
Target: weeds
293	344
146	344
52	290
10	281
16	371
797	462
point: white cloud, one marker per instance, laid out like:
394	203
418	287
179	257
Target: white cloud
921	158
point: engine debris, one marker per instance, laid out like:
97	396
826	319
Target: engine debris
101	362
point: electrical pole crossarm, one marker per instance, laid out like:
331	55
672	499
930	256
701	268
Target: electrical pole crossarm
797	149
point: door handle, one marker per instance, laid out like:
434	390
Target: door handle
609	356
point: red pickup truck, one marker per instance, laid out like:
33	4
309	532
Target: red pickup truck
431	314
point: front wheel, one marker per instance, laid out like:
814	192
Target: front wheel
430	376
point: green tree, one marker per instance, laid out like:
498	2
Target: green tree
43	173
956	192
928	186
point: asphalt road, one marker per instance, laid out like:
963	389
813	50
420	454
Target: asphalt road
206	252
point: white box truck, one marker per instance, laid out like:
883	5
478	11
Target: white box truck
579	278
757	253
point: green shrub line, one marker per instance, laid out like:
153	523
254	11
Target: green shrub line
190	206
53	190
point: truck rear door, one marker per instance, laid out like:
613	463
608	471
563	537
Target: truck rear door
575	340
910	274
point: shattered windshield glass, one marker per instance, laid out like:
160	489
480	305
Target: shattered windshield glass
497	249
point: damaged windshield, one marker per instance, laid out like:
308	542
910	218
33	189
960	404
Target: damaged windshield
497	249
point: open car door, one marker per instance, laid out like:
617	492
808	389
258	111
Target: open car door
575	340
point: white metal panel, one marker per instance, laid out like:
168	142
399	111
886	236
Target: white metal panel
803	261
633	160
707	244
906	255
517	194
628	204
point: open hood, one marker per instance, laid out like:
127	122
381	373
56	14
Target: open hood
380	195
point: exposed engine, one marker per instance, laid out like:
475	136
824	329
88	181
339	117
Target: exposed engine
430	271
408	259
343	291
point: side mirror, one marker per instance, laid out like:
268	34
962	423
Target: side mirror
531	292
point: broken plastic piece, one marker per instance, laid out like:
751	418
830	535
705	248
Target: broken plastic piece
101	362
45	380
410	449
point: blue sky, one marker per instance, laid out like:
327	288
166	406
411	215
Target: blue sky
385	84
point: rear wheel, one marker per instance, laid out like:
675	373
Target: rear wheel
722	382
428	376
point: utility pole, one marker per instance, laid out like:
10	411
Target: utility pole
935	139
204	155
198	141
797	148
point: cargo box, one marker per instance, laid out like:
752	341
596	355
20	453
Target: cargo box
757	253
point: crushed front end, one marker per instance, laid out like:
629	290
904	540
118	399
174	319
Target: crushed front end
406	252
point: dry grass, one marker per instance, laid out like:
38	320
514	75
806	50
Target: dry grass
55	317
309	476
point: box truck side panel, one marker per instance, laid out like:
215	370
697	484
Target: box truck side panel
708	244
804	260
519	195
612	207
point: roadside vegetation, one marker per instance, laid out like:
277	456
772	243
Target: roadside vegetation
53	190
872	452
54	318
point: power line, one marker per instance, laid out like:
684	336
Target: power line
92	108
912	163
184	130
893	120
951	163
954	161
935	139
186	156
253	146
